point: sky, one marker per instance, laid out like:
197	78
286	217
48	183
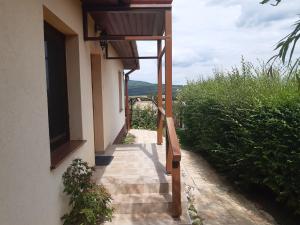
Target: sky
215	34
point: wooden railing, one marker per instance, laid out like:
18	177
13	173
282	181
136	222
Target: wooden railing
173	158
161	111
173	165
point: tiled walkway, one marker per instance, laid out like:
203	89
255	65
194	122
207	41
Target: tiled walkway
216	202
140	188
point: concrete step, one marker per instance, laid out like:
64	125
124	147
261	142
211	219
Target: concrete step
144	203
136	185
148	219
139	185
138	188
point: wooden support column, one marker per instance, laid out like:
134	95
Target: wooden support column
168	63
168	80
172	163
127	103
160	118
176	190
97	103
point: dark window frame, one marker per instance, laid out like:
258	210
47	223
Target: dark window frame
56	68
57	87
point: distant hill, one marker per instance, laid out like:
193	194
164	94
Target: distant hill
141	88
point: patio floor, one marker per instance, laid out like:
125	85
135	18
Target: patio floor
216	201
141	190
138	183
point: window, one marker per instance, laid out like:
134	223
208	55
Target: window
56	76
121	99
63	88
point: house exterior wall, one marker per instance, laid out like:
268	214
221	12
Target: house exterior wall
113	120
31	193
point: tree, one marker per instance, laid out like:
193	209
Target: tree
286	46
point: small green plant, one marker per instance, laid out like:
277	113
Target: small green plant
192	211
129	139
90	202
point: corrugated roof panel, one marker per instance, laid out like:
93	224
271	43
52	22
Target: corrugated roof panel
130	23
136	22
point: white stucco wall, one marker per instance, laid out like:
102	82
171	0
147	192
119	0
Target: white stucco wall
113	119
31	193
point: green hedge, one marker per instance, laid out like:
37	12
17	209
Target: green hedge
248	125
144	117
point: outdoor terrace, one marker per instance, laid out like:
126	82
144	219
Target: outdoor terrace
137	179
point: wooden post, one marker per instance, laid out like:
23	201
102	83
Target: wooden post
97	102
168	79
159	95
127	103
176	190
171	163
168	156
168	63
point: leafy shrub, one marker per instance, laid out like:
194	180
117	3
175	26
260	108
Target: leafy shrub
144	117
90	202
247	123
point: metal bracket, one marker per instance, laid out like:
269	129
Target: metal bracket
125	57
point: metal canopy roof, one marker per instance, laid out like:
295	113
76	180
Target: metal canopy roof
117	17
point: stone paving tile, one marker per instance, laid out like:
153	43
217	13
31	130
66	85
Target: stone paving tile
141	188
216	202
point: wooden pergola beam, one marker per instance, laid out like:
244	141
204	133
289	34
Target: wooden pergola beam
139	57
126	57
132	7
126	38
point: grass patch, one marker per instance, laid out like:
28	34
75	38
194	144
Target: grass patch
129	139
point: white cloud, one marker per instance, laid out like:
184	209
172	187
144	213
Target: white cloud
254	14
213	33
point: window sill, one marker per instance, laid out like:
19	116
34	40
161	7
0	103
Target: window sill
59	154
